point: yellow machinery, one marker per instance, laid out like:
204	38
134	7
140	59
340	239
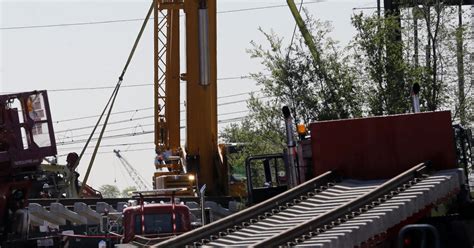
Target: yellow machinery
200	154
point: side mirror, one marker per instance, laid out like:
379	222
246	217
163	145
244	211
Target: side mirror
418	236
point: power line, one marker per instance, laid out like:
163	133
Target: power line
131	144
58	140
92	116
128	86
122	135
131	150
72	24
98	88
141	109
111	145
294	32
144	125
139	143
110	123
135	85
239	101
145	117
263	7
125	135
137	19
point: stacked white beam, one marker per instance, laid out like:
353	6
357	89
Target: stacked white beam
82	214
92	216
121	206
104	207
390	213
61	211
40	216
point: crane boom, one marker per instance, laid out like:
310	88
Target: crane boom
166	75
136	177
308	39
201	87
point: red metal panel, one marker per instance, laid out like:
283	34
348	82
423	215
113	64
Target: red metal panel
382	147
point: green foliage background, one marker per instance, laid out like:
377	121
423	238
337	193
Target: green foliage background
372	76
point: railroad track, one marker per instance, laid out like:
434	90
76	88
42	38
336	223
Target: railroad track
326	212
314	203
375	217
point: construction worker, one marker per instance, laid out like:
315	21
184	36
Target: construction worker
71	162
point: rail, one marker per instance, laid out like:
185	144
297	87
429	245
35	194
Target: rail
214	230
348	210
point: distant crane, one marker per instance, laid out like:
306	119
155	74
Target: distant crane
137	178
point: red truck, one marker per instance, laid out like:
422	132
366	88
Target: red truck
155	221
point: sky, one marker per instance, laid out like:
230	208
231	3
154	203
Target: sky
79	65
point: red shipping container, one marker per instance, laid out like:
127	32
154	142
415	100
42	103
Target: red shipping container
382	147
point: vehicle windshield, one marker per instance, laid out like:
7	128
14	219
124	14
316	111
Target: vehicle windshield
157	223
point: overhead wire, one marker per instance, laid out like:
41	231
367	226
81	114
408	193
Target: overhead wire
131	150
112	145
93	116
294	32
110	123
150	116
137	19
144	125
124	135
148	108
134	85
134	143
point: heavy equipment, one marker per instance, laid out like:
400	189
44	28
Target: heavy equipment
200	154
26	138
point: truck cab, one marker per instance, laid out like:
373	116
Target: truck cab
156	220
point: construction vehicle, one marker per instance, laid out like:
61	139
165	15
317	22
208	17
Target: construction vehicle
26	138
200	156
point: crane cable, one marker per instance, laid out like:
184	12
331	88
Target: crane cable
111	102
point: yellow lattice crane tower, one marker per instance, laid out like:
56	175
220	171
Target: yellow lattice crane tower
200	154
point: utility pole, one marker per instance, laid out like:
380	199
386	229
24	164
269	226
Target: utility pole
395	76
378	8
415	35
460	60
428	46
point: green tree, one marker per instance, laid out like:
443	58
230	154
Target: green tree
314	90
430	27
109	191
375	48
376	78
127	192
446	61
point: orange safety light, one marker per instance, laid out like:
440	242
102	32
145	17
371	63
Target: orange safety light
301	129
